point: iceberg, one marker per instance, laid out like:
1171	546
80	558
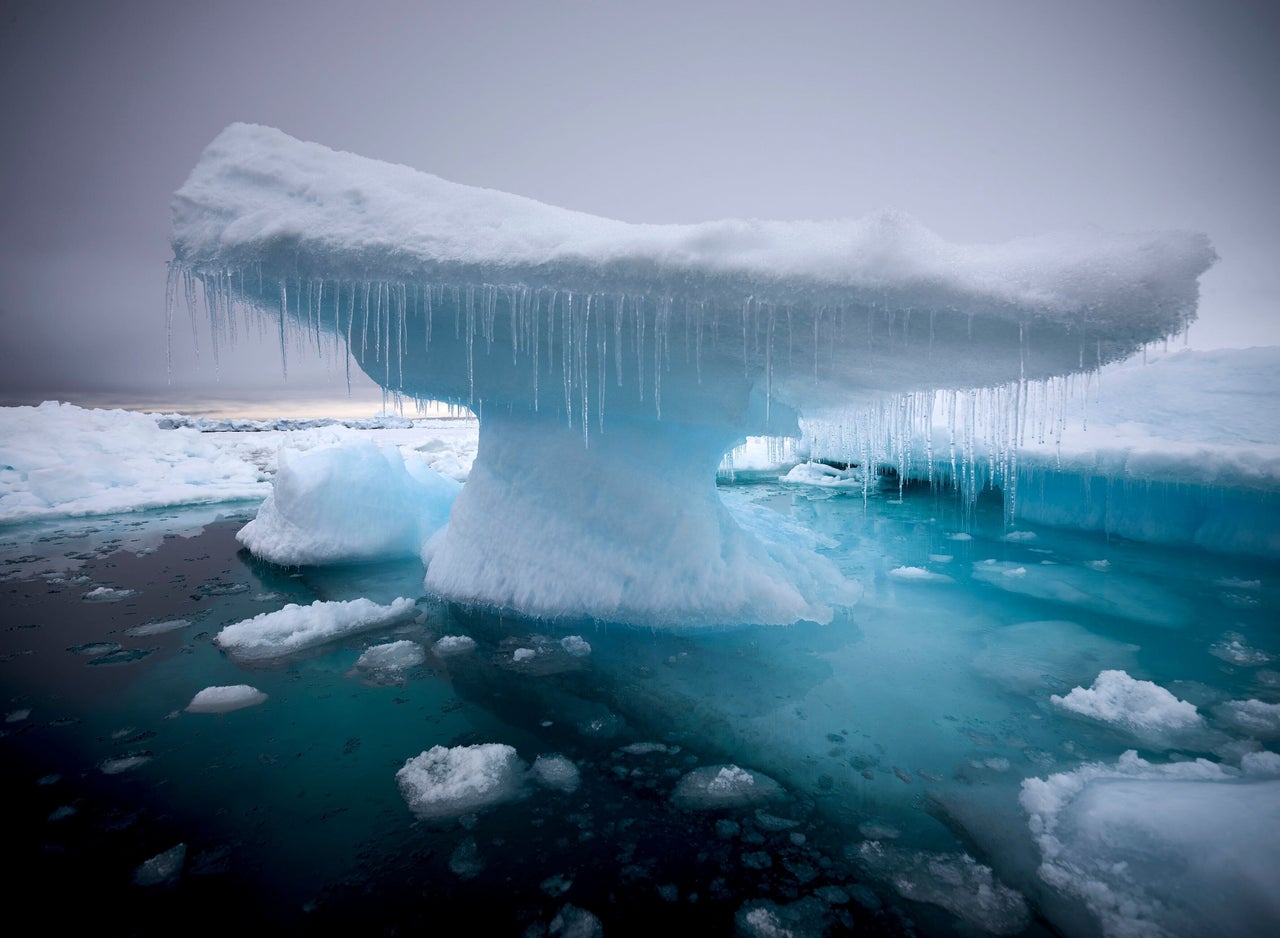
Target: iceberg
613	365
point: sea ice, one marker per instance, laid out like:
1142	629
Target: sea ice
450	782
225	699
1184	848
296	628
1030	656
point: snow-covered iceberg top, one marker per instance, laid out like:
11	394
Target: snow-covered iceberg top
257	190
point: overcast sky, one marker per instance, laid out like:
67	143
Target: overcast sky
986	120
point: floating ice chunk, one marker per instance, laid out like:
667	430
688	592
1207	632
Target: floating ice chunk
1184	848
163	869
556	771
643	749
450	782
454	645
820	474
17	716
225	699
349	503
573	922
955	881
296	628
919	575
392	656
724	786
576	645
465	862
1019	536
523	654
1135	705
960	536
106	594
157	628
1235	649
1238	583
125	763
1256	718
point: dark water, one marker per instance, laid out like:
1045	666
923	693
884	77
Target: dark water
290	814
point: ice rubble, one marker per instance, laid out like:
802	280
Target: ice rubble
597	351
446	782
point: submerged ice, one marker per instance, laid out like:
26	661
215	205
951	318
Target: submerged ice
639	352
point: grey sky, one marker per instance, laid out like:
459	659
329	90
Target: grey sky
986	120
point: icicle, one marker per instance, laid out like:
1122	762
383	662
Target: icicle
284	313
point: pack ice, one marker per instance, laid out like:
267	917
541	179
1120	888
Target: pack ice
612	365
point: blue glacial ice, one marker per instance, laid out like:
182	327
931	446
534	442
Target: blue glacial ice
600	354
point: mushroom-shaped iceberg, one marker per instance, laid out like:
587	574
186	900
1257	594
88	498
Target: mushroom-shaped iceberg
612	365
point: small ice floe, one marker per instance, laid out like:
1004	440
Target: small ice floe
391	657
465	862
157	628
919	575
1254	718
523	654
959	536
163	869
95	649
724	786
829	477
125	763
573	922
17	716
1235	649
454	645
1123	701
1100	565
445	782
576	645
297	628
955	881
1017	536
1238	583
556	771
644	749
105	594
225	699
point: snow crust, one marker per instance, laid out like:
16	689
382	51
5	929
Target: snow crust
225	699
256	190
446	782
296	628
349	503
1182	848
